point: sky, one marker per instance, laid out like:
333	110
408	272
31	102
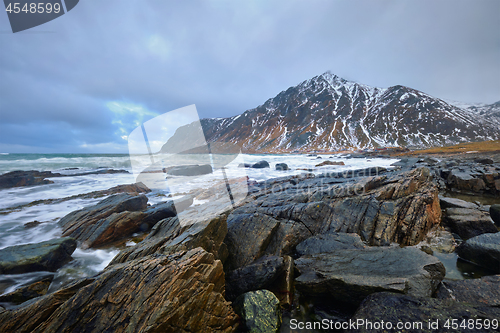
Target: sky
82	82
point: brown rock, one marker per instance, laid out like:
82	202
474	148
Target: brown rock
182	292
26	293
329	163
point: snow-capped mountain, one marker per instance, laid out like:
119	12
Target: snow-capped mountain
328	112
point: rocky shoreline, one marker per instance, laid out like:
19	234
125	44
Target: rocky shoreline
362	244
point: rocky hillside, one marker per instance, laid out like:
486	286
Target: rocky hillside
328	112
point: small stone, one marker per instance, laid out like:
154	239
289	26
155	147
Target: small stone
260	311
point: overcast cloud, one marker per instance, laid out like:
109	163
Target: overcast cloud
82	82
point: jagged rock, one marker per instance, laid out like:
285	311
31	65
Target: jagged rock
329	163
33	313
351	275
182	292
190	170
260	165
24	178
28	292
198	226
482	250
422	312
468	223
329	243
495	214
283	287
441	241
87	224
456	203
282	166
402	208
258	275
485	290
120	225
260	311
44	256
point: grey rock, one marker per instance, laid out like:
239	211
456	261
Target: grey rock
25	293
259	275
484	160
45	256
328	243
260	311
190	170
397	308
260	165
282	166
482	250
468	223
485	290
351	275
455	203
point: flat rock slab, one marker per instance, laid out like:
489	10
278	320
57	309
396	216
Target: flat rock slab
482	250
260	311
468	223
329	243
485	290
45	256
455	203
419	312
351	275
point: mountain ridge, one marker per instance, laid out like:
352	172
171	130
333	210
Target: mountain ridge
327	112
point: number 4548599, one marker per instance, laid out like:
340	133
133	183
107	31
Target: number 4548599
33	8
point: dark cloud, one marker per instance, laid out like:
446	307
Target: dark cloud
148	57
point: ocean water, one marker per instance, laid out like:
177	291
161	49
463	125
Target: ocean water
89	262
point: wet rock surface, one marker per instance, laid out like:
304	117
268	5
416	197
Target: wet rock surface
351	275
184	293
24	178
485	290
495	214
260	311
282	166
482	250
44	256
395	308
28	292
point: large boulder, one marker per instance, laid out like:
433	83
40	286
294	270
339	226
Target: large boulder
400	208
466	181
351	275
495	214
468	223
190	170
485	290
182	292
418	314
77	223
482	250
45	256
260	311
